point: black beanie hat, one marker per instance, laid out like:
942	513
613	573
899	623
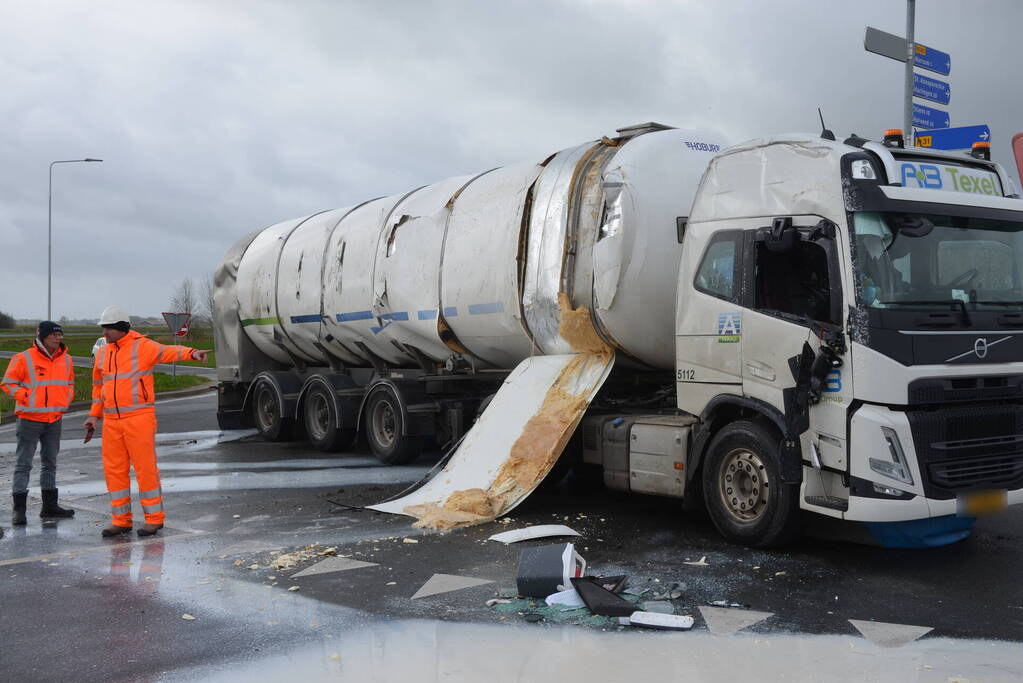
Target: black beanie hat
48	327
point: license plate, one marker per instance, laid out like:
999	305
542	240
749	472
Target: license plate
979	503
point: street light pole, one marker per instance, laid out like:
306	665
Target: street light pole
49	235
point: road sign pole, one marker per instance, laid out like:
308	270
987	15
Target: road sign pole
910	51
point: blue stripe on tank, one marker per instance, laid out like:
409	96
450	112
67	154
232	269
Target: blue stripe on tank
429	314
450	311
354	315
480	309
311	318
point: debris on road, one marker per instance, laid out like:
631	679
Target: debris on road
188	617
601	601
294	588
409	540
547	569
566	598
702	562
497	601
673	622
533	532
726	603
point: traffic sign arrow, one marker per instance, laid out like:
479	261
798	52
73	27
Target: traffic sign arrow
931	89
929	117
962	137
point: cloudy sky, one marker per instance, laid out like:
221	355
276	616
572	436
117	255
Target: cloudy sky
218	117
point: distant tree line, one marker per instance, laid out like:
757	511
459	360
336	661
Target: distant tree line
197	300
6	321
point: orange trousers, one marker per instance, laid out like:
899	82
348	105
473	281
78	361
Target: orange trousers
130	441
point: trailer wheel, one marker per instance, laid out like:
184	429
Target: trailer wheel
384	426
266	413
746	499
321	420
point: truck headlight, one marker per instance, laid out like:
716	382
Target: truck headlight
862	169
897	468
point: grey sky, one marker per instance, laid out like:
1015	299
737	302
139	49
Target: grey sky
218	118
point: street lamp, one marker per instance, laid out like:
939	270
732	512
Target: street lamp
49	236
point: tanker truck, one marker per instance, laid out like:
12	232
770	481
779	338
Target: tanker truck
786	328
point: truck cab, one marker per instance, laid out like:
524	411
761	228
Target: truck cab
849	337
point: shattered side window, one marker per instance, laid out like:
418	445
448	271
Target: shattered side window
717	272
794	282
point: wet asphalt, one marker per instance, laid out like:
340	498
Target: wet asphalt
202	600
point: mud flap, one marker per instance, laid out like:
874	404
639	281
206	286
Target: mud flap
513	446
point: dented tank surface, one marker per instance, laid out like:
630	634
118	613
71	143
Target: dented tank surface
477	265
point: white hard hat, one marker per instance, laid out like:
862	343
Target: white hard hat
112	315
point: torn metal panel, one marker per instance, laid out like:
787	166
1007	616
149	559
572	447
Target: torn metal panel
257	288
513	445
348	283
650	181
299	283
547	247
479	279
406	286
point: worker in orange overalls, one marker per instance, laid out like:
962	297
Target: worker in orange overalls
122	394
42	382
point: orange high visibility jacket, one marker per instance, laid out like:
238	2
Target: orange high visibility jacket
122	376
42	386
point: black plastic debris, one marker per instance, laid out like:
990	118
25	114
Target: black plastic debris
533	618
615	584
601	601
547	569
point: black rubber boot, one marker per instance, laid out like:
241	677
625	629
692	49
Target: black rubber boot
50	507
20	503
114	530
149	529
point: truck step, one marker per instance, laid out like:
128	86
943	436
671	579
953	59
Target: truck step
831	502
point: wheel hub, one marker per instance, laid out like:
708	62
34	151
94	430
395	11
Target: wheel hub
744	485
384	424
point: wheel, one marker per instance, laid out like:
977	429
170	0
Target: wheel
320	414
383	425
742	486
266	413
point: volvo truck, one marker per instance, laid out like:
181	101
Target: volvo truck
787	327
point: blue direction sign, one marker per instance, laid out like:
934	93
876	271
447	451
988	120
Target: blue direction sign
931	89
932	60
962	137
928	117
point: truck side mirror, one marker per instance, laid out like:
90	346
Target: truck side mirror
680	227
781	236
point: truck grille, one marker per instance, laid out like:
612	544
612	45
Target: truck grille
966	448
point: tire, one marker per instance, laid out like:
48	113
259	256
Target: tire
383	422
266	413
742	487
319	413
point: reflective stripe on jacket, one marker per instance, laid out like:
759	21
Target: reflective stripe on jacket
42	386
122	375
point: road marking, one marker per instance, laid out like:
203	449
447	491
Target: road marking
724	621
889	635
106	546
334	564
445	583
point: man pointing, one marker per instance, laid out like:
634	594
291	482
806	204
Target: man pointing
122	394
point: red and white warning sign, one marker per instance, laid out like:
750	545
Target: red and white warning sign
178	323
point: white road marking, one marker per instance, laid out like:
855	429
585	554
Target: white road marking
445	583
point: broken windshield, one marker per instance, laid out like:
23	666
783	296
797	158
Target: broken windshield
918	260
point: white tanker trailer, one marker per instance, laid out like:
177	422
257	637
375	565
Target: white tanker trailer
506	311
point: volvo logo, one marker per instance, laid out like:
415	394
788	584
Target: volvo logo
980	348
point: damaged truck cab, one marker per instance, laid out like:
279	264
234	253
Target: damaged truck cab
849	336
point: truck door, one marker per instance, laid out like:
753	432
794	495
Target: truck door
793	292
709	318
